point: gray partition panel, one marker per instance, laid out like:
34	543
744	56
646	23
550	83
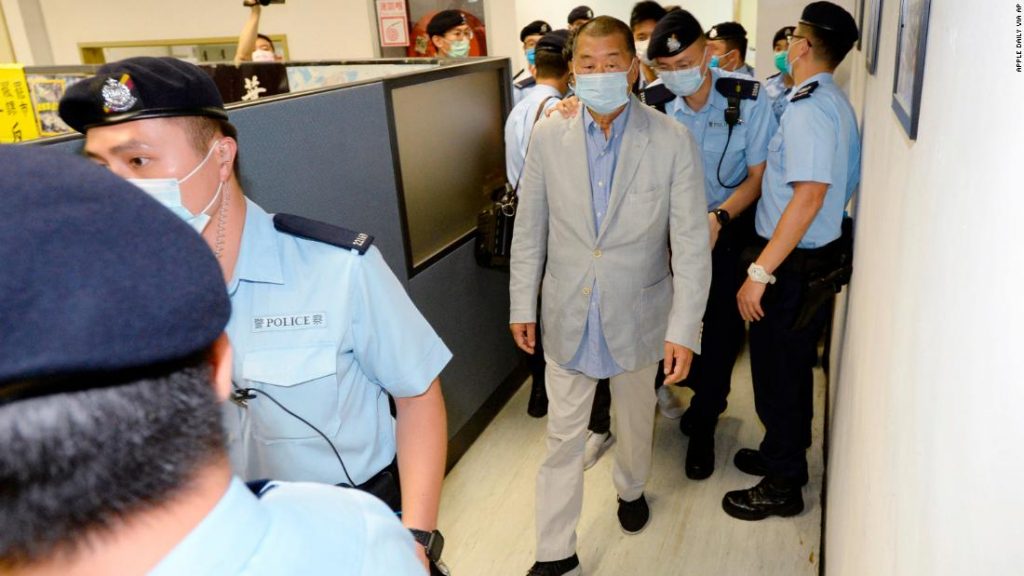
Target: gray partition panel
468	306
325	156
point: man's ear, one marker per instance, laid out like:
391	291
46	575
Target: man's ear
221	357
227	150
438	43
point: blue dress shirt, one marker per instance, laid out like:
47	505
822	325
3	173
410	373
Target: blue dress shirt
329	333
593	357
747	147
295	528
818	141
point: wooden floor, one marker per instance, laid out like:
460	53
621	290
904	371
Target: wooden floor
487	508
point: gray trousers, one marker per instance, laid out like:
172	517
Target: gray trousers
560	480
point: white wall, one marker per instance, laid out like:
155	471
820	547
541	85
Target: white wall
925	459
316	29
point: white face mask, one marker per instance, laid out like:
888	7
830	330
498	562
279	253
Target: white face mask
167	191
641	52
264	56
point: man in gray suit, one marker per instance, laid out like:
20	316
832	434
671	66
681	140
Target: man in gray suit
613	201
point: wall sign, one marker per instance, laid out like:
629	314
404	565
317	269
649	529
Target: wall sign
393	21
17	117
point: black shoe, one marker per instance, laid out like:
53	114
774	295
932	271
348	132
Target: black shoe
633	516
751	462
538	404
686	423
766	499
700	456
565	567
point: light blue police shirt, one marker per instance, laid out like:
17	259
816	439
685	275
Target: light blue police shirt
519	127
328	333
818	141
778	94
295	528
519	94
593	357
749	144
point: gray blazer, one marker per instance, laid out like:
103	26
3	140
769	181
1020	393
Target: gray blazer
656	224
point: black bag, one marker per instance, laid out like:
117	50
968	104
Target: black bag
494	224
494	229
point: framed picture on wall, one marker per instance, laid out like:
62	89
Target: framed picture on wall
911	45
872	15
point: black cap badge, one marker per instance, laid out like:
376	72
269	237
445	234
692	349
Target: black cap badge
117	95
544	29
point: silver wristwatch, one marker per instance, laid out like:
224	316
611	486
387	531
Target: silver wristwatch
758	274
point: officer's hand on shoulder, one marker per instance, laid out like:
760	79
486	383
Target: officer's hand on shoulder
568	108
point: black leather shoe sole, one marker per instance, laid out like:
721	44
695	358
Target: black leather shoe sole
700	457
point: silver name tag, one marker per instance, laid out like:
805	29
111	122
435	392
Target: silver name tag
289	322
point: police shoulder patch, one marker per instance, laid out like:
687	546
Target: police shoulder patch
320	232
526	83
805	92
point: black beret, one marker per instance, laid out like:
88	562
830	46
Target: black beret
673	34
553	42
97	276
444	21
727	31
534	28
581	13
832	18
783	34
142	87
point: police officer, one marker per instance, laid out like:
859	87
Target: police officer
734	151
727	43
525	79
323	331
112	455
813	168
579	16
642	19
450	34
780	85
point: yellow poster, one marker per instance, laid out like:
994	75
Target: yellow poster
17	118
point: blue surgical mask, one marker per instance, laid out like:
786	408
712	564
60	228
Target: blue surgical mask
167	191
603	93
458	48
789	65
531	56
683	82
716	61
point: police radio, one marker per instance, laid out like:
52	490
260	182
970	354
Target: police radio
734	90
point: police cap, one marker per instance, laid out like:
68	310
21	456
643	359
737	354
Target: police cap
833	19
581	13
783	34
98	277
673	34
553	42
727	31
138	88
534	28
444	21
